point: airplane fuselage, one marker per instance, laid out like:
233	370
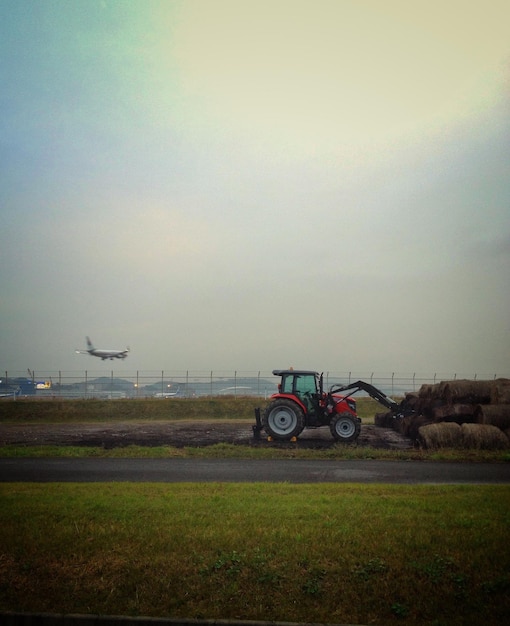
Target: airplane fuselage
108	354
103	354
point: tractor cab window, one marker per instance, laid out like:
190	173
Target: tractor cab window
299	384
287	384
305	384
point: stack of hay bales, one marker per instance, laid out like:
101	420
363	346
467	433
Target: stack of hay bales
457	414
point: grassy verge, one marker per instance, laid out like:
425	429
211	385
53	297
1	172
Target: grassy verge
230	451
305	553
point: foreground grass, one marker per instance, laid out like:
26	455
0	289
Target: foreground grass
309	553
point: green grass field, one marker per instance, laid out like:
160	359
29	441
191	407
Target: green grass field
356	554
56	411
318	553
224	407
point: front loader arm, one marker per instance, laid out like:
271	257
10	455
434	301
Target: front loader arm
372	391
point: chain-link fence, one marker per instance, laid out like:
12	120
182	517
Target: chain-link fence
190	384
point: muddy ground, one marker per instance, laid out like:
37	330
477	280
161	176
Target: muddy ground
181	434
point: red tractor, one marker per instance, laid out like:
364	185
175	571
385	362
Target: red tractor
302	403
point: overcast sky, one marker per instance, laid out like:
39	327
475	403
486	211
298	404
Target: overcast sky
249	185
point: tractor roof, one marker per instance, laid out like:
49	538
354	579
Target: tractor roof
283	372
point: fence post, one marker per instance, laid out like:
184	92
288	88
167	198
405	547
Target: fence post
235	384
392	377
7	383
210	392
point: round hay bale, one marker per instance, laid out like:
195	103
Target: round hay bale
425	391
442	435
410	425
428	393
428	407
494	414
500	391
484	437
466	391
411	400
385	420
459	413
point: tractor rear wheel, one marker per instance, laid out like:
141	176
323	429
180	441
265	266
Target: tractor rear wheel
283	419
345	427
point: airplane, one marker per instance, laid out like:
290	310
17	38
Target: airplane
104	354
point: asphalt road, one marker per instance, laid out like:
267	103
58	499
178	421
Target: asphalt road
223	470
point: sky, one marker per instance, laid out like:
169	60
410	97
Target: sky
256	184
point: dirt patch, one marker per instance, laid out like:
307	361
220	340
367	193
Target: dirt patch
180	434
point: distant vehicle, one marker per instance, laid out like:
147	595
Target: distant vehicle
103	354
16	387
169	394
10	394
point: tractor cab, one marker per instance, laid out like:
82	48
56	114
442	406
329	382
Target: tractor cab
304	385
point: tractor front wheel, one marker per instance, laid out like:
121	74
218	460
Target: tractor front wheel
345	427
283	419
